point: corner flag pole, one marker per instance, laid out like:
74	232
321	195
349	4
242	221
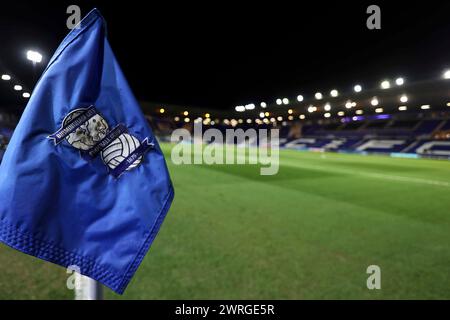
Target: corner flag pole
88	289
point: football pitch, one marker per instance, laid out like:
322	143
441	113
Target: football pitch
309	232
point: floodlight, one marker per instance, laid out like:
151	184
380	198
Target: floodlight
446	74
385	84
34	56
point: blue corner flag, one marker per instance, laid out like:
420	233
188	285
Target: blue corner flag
83	181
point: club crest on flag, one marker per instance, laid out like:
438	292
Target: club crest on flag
87	130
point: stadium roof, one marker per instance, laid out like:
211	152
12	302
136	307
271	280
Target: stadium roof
220	57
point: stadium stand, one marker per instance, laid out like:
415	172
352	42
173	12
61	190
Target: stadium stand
379	136
419	134
427	126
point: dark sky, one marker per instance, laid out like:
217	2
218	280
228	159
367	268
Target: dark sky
220	54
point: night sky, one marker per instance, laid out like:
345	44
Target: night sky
222	54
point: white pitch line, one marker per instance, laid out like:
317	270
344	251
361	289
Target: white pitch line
407	179
374	175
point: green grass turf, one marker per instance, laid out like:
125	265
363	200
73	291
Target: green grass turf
308	232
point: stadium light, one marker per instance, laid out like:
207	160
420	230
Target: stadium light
311	109
318	96
207	115
348	104
327	107
399	81
18	87
280	118
263	105
186	113
285	101
299	98
359	111
302	117
240	108
357	88
379	110
425	107
34	56
290	118
176	119
187	120
385	84
267	114
402	108
26	95
250	106
327	115
353	104
249	121
261	115
272	120
6	77
446	74
279	102
374	102
404	98
290	111
162	110
448	104
341	113
334	93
